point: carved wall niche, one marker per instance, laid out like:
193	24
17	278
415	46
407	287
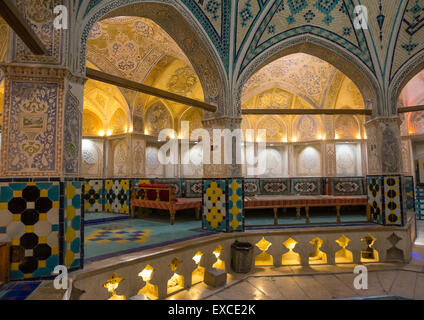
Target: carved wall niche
308	161
92	158
121	160
276	130
348	162
306	128
158	117
91	124
347	127
153	167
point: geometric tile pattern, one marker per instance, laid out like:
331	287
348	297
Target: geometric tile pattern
117	196
235	205
409	193
214	205
93	196
72	224
30	213
393	205
274	186
193	188
375	198
307	186
347	186
419	202
251	187
124	235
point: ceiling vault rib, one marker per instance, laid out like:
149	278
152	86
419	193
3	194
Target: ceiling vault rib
132	85
10	13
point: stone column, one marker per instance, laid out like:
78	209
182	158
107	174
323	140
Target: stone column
42	122
385	182
384	146
41	145
222	170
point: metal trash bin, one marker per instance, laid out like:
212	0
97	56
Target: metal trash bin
241	257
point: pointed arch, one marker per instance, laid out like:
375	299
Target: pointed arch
343	60
174	19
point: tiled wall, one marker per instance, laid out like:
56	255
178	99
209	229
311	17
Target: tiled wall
386	198
117	196
223	205
73	245
42	220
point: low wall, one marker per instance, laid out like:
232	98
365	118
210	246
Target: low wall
347	245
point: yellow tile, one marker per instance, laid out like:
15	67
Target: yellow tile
4	206
16	217
44	193
31	184
17	194
14	266
42	240
55	204
41	263
29	229
15	242
55	251
42	217
27	275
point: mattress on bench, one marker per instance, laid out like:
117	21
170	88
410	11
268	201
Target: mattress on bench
180	204
323	200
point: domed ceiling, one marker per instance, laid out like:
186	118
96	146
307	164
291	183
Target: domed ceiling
137	49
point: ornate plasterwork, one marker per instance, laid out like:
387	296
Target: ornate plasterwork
158	117
92	125
300	73
39	15
181	27
33	113
129	46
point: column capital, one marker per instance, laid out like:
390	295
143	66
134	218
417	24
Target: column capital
41	71
223	122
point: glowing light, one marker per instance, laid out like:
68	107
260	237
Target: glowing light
320	137
146	274
126	129
180	137
146	132
198	257
285	140
109	133
411	131
219	264
101	133
358	136
264	258
336	136
365	136
323	137
294	139
149	290
112	285
131	129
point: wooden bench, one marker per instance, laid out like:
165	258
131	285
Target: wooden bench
298	202
163	197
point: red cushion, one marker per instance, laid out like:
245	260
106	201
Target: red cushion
156	186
